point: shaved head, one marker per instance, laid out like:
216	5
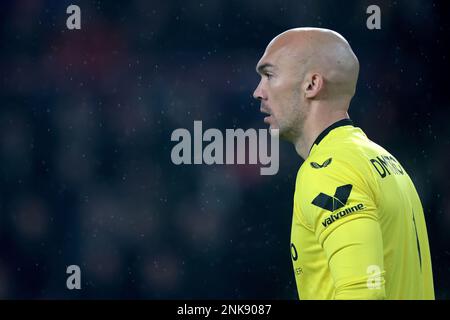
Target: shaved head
309	76
317	50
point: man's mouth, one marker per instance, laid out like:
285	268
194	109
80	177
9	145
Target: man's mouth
263	110
266	119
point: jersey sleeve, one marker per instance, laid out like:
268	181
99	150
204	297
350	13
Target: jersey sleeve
338	205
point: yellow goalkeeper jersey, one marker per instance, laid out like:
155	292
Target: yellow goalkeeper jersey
358	227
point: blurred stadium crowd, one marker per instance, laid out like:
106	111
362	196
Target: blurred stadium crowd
85	124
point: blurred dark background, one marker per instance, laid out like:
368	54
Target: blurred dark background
85	123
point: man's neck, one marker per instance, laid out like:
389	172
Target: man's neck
313	128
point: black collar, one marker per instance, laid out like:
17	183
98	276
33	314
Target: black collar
340	123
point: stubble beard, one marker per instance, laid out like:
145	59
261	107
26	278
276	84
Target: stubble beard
292	127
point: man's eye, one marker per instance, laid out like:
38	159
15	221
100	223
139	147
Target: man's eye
268	76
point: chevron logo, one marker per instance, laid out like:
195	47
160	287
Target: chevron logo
316	165
337	201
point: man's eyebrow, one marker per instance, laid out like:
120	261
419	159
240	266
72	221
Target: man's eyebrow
261	68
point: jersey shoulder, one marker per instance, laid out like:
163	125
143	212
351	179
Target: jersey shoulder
335	177
346	152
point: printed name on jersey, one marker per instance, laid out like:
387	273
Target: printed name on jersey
316	165
333	217
387	165
332	203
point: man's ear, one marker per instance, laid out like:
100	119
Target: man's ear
313	85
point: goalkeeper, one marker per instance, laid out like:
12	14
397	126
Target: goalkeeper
358	227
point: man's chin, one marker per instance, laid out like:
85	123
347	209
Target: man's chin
274	132
280	133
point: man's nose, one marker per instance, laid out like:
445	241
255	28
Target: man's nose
258	94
